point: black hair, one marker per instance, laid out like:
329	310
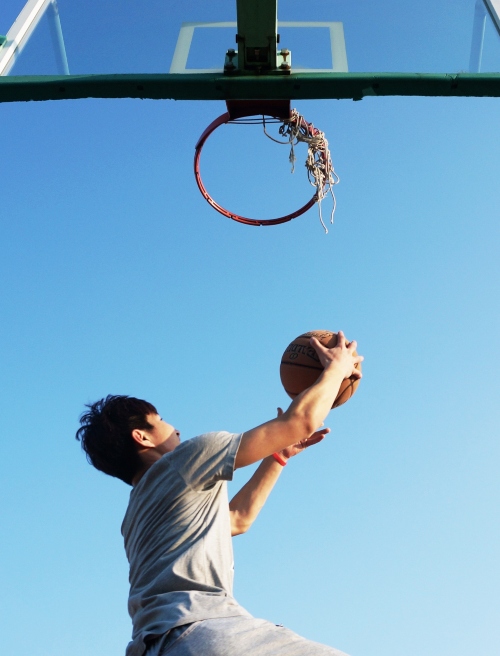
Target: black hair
106	434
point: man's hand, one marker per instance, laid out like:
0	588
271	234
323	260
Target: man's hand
293	450
307	411
341	356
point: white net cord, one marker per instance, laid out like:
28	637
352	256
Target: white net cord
319	165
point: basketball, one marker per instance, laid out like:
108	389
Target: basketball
300	366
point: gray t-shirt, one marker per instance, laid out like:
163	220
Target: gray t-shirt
177	536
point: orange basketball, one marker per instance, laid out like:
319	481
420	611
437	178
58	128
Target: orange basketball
300	366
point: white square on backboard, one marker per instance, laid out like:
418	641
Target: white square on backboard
337	45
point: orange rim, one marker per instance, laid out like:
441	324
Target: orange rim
222	120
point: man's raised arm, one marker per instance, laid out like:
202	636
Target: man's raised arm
249	501
308	410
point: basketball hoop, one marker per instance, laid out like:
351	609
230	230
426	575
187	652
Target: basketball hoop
295	128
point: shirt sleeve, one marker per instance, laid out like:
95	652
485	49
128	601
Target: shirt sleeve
206	459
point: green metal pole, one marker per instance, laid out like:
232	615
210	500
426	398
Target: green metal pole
219	87
257	34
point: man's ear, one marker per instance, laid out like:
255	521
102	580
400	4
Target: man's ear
142	438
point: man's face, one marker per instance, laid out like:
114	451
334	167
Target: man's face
164	436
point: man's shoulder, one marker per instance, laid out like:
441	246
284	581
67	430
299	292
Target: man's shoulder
200	446
206	458
207	440
193	465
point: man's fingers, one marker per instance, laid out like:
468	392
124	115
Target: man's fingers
318	436
356	373
280	412
342	354
360	358
318	346
314	439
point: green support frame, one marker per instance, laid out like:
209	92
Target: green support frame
257	35
310	86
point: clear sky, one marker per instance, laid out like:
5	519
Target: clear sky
117	277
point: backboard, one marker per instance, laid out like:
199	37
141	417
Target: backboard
345	48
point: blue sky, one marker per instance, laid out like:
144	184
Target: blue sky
117	277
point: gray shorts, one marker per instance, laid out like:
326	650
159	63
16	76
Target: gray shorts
236	636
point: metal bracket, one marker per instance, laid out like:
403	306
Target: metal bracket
283	63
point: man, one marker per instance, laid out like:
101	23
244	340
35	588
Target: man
178	525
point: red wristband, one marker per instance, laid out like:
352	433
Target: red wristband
279	459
